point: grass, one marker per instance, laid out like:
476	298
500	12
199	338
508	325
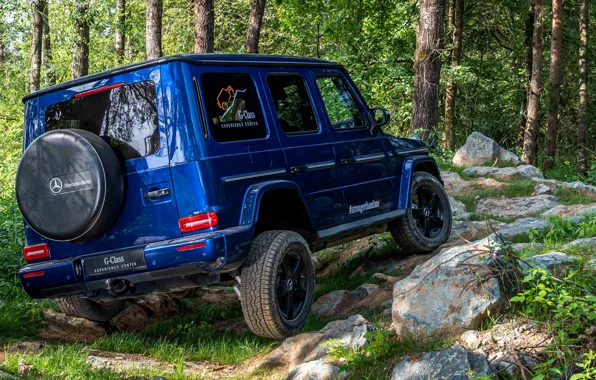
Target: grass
569	196
378	359
191	337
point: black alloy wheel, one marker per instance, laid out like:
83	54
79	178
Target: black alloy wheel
427	211
291	285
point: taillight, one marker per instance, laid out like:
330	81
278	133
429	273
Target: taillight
36	252
198	222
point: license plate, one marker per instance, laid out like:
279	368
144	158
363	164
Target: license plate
115	263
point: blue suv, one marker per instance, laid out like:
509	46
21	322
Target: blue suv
190	170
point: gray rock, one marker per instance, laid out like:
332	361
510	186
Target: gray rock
307	347
572	185
516	207
526	171
454	183
345	302
508	157
316	370
523	226
447	293
542	189
477	150
551	260
31	347
519	247
7	376
471	339
458	210
580	243
464	232
454	363
359	339
569	211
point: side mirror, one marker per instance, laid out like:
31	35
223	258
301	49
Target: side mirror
380	116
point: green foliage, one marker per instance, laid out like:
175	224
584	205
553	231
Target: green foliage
563	230
375	360
567	307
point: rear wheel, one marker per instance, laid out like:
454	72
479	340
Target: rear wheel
427	222
277	284
76	306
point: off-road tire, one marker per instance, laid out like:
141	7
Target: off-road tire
404	230
76	306
259	281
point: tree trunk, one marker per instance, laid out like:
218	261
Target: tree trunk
120	30
80	58
582	115
257	8
427	67
529	148
451	88
204	25
525	80
556	44
46	49
153	29
35	73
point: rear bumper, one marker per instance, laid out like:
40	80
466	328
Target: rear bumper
215	252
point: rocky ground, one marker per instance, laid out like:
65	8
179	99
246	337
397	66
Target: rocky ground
379	313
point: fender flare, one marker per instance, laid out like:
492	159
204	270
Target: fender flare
408	169
254	194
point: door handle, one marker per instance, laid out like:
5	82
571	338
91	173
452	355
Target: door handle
298	169
348	161
157	193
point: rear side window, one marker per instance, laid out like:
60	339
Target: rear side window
292	103
125	117
233	108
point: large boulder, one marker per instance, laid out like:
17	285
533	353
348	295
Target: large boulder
308	347
525	171
516	207
480	149
522	227
451	292
343	303
454	363
464	232
582	243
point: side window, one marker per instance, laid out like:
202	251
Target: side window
125	117
292	103
341	107
233	108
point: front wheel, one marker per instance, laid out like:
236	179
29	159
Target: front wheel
427	222
277	284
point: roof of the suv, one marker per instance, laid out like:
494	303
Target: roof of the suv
201	59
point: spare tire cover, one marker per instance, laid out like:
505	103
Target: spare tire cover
69	185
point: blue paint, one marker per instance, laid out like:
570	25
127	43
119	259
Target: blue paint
346	170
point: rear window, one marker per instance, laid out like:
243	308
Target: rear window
233	107
125	117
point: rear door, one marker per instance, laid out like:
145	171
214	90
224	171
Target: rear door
308	149
127	112
367	168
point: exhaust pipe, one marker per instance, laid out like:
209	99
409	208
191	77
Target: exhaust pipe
117	287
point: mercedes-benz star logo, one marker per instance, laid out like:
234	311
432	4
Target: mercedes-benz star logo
55	185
